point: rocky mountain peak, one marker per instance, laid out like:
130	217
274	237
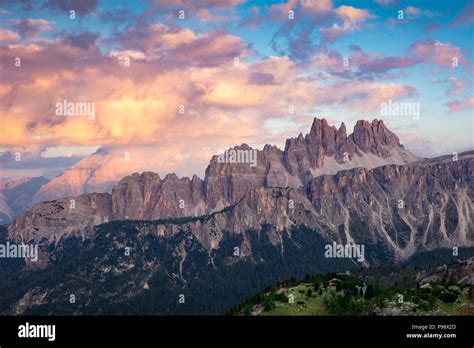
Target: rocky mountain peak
372	136
322	135
341	134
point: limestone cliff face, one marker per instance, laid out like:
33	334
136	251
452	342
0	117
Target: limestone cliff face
417	206
154	198
51	221
421	206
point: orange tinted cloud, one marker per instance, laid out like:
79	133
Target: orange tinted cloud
351	17
187	97
8	35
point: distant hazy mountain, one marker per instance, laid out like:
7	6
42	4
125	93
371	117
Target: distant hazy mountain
16	196
95	173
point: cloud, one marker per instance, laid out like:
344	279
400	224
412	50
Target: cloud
437	52
214	48
413	11
465	17
148	92
319	7
32	27
385	2
203	10
425	145
176	46
315	11
4	12
206	15
122	55
296	38
174	68
332	61
351	14
352	19
383	65
461	105
140	105
361	65
116	15
82	7
8	35
198	4
259	78
25	4
364	96
32	163
83	40
455	85
280	11
155	36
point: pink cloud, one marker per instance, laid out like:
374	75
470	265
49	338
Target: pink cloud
332	33
331	61
382	65
279	11
316	9
351	14
461	105
438	53
175	46
232	101
456	87
363	96
361	64
415	12
206	15
412	10
352	19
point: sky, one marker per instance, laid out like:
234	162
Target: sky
173	82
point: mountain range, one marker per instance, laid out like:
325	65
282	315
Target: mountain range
360	189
